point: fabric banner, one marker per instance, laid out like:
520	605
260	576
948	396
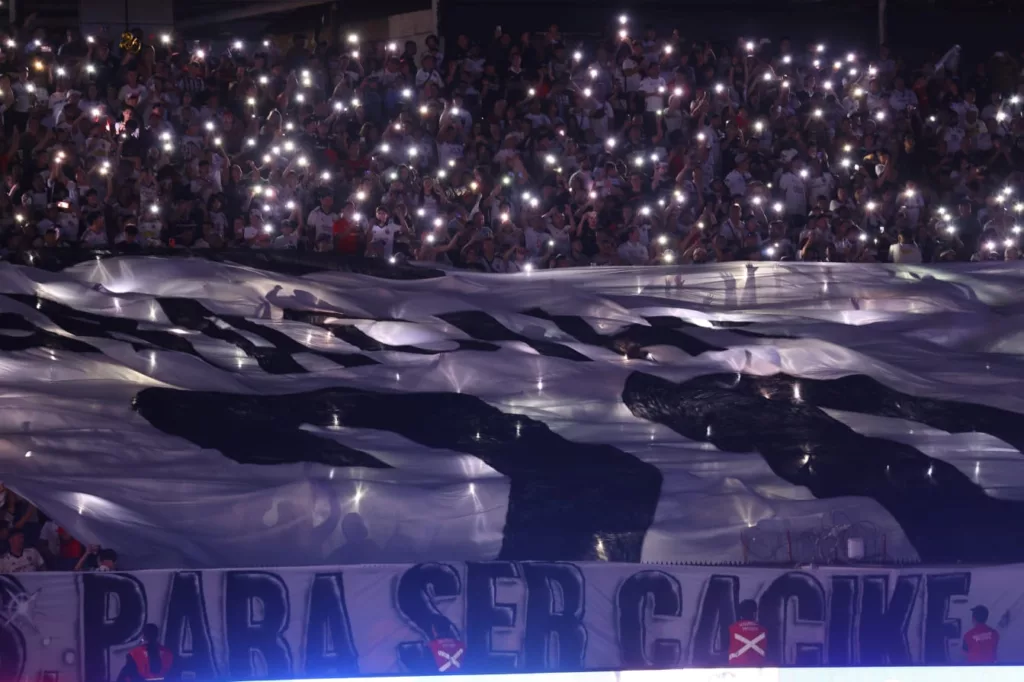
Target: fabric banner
193	413
493	617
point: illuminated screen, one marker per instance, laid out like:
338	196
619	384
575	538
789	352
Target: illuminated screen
923	674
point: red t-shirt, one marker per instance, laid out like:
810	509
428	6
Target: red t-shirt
70	548
346	236
981	644
748	644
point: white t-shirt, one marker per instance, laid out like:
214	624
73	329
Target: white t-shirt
821	186
322	222
386	235
91	238
904	253
126	90
899	100
954	137
29	561
796	193
633	253
632	82
737	183
654	91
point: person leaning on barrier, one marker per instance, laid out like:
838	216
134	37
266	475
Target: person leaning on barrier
149	660
748	643
981	642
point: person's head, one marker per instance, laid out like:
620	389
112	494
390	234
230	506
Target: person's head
16	542
979	614
326	201
747	610
734	213
94	221
107	559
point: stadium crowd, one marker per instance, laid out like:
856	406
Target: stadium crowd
502	153
30	541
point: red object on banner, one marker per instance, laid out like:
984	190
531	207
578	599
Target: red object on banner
981	644
449	654
747	644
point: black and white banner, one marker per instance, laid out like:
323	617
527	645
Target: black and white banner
505	617
212	415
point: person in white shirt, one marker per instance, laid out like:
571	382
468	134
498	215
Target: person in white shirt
632	251
321	219
132	89
793	184
820	184
905	250
95	231
902	98
288	239
428	74
631	68
653	87
384	231
20	559
736	180
732	227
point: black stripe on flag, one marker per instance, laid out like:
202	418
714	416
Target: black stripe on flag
563	495
664	331
276	359
483	327
946	516
35	337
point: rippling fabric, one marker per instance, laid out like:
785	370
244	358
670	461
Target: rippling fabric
196	413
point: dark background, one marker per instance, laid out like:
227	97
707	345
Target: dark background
913	26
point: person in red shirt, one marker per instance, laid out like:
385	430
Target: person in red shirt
981	643
748	641
150	661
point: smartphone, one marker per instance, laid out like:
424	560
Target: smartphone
64	205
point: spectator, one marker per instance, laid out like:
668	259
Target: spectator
637	149
18	558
